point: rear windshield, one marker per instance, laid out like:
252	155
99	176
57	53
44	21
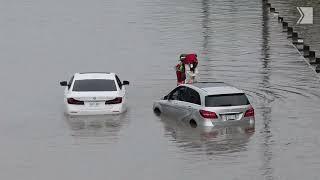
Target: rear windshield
226	100
94	85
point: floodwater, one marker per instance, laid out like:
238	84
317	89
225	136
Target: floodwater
239	42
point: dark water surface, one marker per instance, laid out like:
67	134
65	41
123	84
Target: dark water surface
43	42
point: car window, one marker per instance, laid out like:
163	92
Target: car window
174	94
226	100
192	96
119	82
94	85
70	82
178	94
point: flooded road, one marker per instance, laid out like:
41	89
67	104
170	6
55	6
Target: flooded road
239	42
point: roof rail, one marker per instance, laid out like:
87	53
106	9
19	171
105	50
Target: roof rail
94	72
209	82
205	84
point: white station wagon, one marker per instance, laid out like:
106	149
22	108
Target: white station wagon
94	93
206	104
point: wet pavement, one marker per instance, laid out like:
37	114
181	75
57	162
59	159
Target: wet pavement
239	42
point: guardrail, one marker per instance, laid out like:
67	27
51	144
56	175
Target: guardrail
303	48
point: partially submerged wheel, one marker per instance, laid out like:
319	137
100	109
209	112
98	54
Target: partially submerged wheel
157	111
193	123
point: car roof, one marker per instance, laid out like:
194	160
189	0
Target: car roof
94	75
216	88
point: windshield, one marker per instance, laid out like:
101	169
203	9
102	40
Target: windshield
226	100
94	85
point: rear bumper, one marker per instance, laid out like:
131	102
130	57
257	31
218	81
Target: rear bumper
229	129
76	110
250	121
73	113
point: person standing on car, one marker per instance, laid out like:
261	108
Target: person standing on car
192	61
181	71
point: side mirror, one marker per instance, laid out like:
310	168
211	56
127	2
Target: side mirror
165	97
63	83
125	83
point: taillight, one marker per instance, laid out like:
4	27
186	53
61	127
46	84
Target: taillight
74	101
117	100
249	112
208	114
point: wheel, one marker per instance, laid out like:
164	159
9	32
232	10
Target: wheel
193	123
157	111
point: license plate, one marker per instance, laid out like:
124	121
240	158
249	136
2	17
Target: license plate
231	117
93	104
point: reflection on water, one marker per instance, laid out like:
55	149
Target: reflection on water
207	140
266	150
100	127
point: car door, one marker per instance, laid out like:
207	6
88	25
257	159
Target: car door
174	106
122	88
169	100
192	104
68	88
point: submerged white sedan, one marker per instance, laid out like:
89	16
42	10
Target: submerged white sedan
94	93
